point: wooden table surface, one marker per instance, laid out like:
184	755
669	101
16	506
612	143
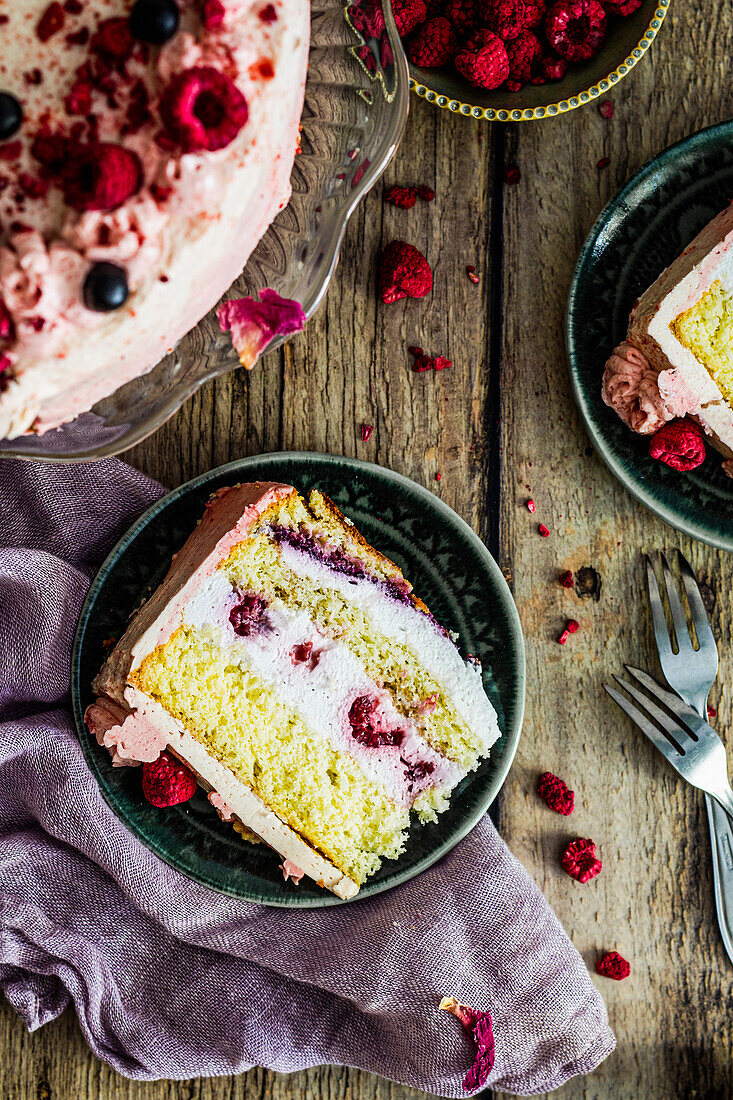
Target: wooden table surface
501	426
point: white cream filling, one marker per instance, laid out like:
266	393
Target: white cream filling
322	695
459	681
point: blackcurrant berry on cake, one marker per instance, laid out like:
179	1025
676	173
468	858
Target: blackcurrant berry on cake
105	287
154	21
11	115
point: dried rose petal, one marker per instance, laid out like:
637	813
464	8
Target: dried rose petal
603	162
712	712
531	506
253	324
564	637
606	109
471	272
478	1027
366	432
544	531
513	174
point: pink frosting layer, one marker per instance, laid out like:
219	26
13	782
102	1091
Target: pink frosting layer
291	871
131	738
222	807
642	398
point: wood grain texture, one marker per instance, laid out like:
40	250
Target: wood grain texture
653	900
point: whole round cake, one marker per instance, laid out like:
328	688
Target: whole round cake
144	150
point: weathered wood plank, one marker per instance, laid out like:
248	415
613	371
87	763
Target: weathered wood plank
350	367
653	900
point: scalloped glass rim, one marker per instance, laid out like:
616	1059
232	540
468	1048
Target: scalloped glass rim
352	123
581	85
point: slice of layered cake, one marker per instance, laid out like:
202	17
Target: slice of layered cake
677	359
289	665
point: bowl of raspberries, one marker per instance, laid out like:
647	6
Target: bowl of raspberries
514	60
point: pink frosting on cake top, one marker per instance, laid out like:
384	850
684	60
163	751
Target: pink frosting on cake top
130	737
642	398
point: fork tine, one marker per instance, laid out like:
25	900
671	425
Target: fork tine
672	730
659	622
675	606
667	749
705	637
690	717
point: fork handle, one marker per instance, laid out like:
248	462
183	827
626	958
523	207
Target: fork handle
721	839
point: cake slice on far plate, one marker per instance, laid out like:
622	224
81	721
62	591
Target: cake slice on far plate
288	664
677	359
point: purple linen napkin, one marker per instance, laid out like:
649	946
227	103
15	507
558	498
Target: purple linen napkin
172	980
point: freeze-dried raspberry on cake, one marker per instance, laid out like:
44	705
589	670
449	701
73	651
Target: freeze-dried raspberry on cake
145	147
289	665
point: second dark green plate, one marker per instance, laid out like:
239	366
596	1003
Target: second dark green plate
641	231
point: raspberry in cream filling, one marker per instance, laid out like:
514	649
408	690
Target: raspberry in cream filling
144	149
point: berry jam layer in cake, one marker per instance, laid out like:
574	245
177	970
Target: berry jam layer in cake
289	664
144	149
677	359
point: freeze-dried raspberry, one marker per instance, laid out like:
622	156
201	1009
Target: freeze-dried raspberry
366	727
7	328
523	52
100	176
679	444
483	60
462	14
249	616
404	197
426	193
556	794
113	39
51	151
212	14
613	965
50	22
368	18
203	109
566	579
622	7
432	45
409	14
605	109
403	273
572	626
78	101
550	68
534	13
167	782
507	18
579	860
576	28
603	162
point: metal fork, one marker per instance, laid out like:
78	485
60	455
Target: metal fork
691	746
692	673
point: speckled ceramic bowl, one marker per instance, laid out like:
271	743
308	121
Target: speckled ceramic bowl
626	44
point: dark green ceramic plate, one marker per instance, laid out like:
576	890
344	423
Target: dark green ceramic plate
638	234
449	566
